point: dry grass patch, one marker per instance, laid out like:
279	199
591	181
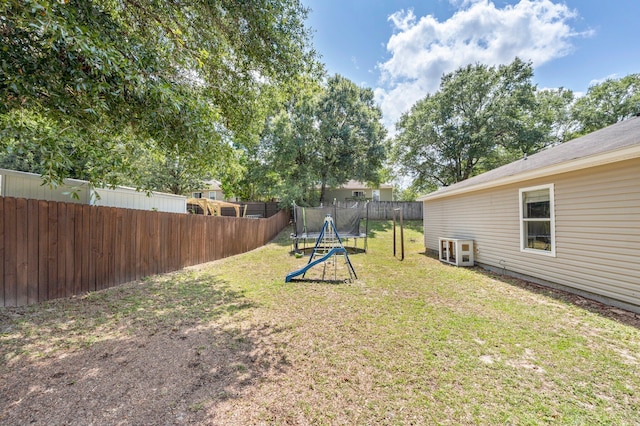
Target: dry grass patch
411	342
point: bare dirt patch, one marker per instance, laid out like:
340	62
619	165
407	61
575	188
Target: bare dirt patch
132	355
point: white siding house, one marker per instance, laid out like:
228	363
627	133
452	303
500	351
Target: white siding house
29	185
211	190
568	216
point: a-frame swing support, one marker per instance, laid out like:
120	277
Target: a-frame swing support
328	244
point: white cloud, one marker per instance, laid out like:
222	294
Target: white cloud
423	49
597	81
354	61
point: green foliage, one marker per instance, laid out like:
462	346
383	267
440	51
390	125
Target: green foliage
607	103
288	146
350	138
325	135
36	143
479	119
482	118
171	76
406	194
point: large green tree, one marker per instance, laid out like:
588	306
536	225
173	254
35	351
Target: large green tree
607	103
327	134
480	118
289	145
350	135
106	75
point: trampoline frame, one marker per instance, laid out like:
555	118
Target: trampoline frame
306	239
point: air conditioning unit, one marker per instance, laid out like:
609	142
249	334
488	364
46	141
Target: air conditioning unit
456	251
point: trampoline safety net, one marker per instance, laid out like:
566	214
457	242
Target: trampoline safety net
309	220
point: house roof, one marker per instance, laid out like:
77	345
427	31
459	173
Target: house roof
212	185
618	142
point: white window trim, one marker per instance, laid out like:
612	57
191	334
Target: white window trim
358	193
215	195
523	239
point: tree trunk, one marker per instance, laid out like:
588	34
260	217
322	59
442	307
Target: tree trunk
323	187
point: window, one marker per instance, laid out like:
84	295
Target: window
376	195
212	195
197	195
537	222
358	194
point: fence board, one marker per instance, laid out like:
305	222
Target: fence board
200	238
137	253
99	258
76	283
32	218
58	253
43	250
69	250
21	252
118	272
11	252
94	248
10	258
127	234
85	248
108	246
154	237
185	247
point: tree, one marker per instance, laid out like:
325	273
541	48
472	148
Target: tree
546	122
326	134
607	103
480	118
288	145
350	136
108	75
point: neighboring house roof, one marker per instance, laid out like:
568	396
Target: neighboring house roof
212	185
617	142
353	184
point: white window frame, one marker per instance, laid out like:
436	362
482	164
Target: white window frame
215	196
552	219
358	194
196	195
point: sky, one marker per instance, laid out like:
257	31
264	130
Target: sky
401	48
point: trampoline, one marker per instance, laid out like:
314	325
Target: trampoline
350	222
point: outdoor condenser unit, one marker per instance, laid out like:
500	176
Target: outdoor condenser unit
456	251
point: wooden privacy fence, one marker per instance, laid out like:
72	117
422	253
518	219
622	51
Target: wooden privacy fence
50	249
383	210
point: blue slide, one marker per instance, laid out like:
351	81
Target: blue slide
315	262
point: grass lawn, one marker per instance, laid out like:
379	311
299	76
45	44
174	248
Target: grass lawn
409	342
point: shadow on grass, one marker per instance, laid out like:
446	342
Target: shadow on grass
318	281
150	352
306	251
610	312
283	239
